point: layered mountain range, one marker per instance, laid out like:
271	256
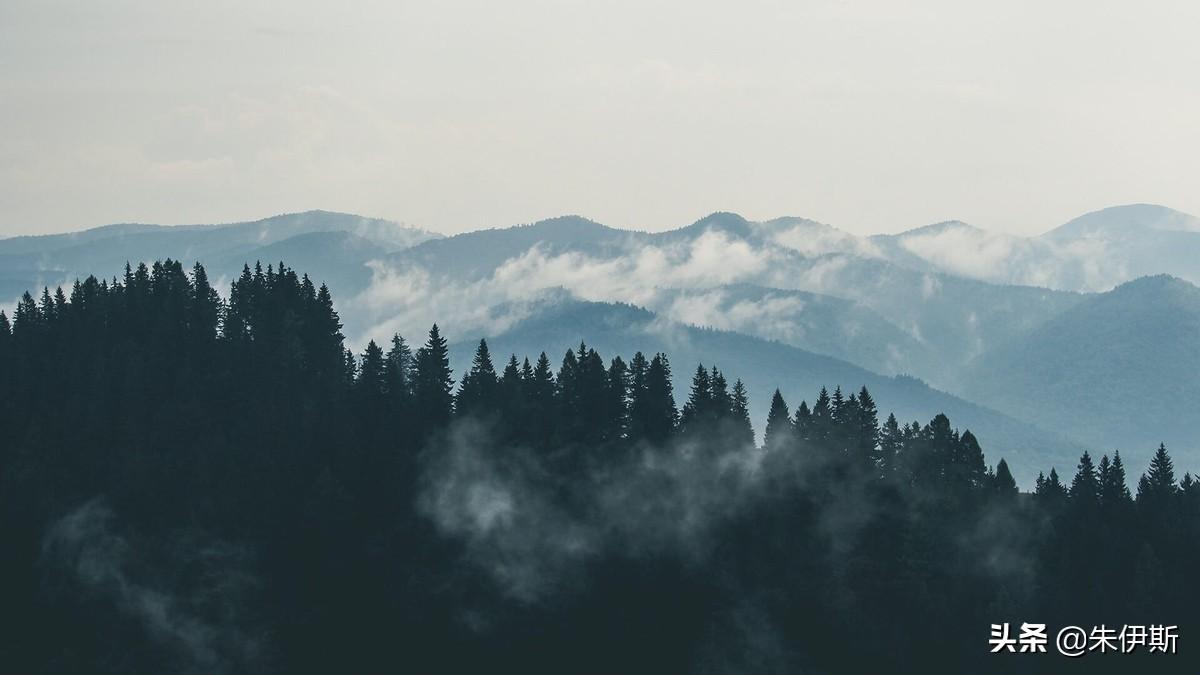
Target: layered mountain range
1083	337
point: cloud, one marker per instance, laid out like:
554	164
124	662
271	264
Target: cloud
202	621
408	298
959	249
505	504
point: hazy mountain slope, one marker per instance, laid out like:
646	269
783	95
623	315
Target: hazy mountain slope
938	322
24	245
953	318
1119	370
818	323
1134	241
763	365
1093	252
31	262
1118	222
473	255
957	248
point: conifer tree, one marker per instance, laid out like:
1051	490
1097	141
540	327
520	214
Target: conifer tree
203	307
653	409
802	425
512	401
5	337
1051	493
1085	488
477	395
349	368
1158	485
541	385
891	441
1003	484
323	334
739	413
432	383
721	402
866	421
1114	492
372	375
638	366
617	400
511	385
778	432
822	427
697	409
399	372
967	462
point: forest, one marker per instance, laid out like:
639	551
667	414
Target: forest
192	483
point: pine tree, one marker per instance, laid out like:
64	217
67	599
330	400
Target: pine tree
432	383
203	307
399	372
778	432
617	401
866	421
593	401
967	463
802	425
891	441
1051	493
5	337
638	367
567	396
349	368
719	388
821	429
1158	485
1114	492
511	384
697	410
323	333
513	401
653	409
477	395
739	413
372	374
1003	484
1085	488
540	393
541	385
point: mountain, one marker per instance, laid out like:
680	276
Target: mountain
1093	252
958	248
478	254
618	329
1118	370
939	302
1125	222
49	260
824	324
938	322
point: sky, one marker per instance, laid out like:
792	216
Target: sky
874	116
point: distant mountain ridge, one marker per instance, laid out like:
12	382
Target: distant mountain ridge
1119	370
977	314
35	261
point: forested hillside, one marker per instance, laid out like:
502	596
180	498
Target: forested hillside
197	484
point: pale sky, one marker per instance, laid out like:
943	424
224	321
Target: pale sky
873	116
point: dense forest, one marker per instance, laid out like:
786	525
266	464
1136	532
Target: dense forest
197	484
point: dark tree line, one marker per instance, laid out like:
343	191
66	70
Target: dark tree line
193	483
